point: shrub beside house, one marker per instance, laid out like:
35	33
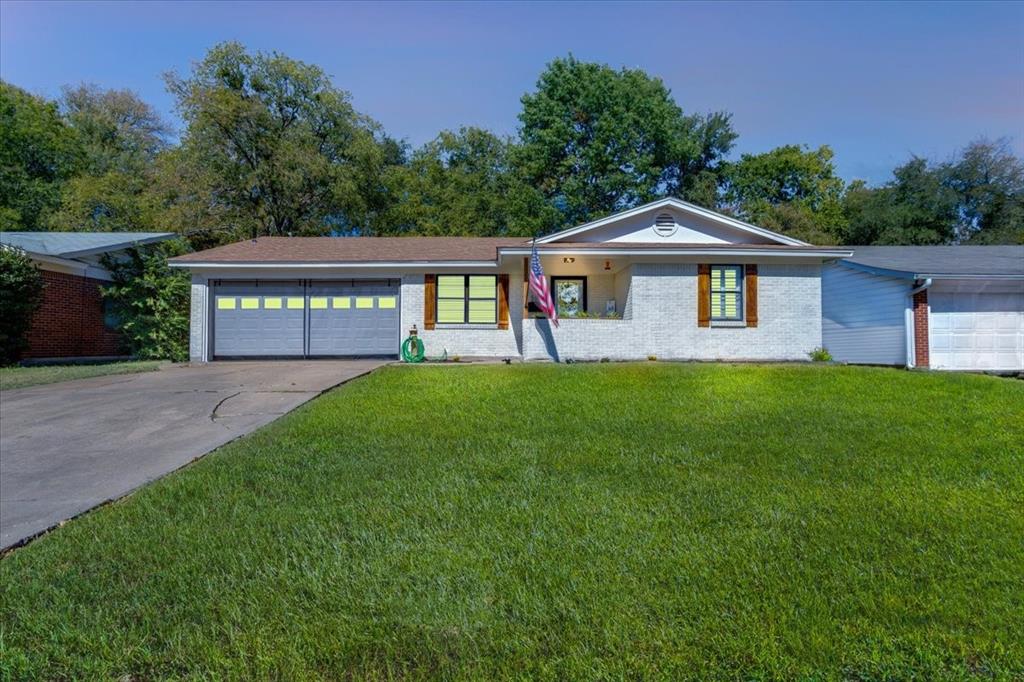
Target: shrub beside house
73	319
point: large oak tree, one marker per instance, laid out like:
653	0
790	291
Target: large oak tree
274	148
596	140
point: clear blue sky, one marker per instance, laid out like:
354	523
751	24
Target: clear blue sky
877	81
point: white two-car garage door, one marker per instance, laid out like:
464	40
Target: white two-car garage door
305	318
977	330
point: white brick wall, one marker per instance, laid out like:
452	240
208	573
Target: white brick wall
198	317
482	341
663	321
659	308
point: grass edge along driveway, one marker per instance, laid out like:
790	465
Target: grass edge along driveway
35	375
583	522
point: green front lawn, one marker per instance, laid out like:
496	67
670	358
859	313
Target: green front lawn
561	522
20	377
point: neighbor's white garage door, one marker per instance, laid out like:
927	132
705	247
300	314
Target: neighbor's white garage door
970	330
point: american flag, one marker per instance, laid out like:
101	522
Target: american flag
539	287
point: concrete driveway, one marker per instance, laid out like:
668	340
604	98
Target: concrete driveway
65	448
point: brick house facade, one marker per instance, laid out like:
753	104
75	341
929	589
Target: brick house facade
70	320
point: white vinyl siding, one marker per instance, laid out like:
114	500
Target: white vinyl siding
864	316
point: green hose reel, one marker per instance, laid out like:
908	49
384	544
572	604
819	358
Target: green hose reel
412	347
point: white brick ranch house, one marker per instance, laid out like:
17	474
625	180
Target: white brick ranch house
667	279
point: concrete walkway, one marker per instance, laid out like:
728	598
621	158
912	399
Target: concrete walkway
65	448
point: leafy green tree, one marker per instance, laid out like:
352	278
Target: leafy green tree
790	189
121	137
596	140
916	207
989	181
277	147
152	301
118	130
38	153
21	292
463	183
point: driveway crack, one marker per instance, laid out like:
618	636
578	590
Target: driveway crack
213	412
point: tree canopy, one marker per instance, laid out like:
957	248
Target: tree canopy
465	183
271	146
39	152
275	146
596	140
789	189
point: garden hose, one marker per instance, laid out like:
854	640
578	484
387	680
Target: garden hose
412	349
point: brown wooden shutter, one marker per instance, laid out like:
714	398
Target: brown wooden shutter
703	295
429	301
502	301
750	294
526	288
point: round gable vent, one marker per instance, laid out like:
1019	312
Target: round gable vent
665	225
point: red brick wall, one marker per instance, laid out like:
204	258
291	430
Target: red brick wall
921	329
69	323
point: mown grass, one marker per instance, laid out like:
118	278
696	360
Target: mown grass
20	377
561	522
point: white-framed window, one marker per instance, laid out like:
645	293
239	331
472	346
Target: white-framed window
726	293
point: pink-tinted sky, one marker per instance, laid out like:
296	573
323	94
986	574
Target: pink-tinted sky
876	81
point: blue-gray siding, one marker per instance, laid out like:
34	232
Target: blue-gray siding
863	316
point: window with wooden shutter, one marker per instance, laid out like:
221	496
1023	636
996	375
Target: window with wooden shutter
503	302
466	299
726	293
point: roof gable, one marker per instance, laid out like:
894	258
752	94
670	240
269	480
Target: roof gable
690	224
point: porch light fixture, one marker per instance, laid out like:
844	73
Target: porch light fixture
607	265
568	259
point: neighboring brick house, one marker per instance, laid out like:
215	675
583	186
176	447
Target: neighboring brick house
73	321
667	279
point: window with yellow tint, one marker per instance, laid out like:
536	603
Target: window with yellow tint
465	299
726	292
271	303
225	303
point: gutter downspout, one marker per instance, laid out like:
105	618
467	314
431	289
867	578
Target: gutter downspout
909	320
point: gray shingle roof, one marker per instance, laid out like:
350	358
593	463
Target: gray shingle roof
75	244
942	261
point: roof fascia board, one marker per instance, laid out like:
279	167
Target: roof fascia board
682	206
668	251
948	275
338	264
884	272
72	266
907	274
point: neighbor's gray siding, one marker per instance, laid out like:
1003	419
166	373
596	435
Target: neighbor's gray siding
863	316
